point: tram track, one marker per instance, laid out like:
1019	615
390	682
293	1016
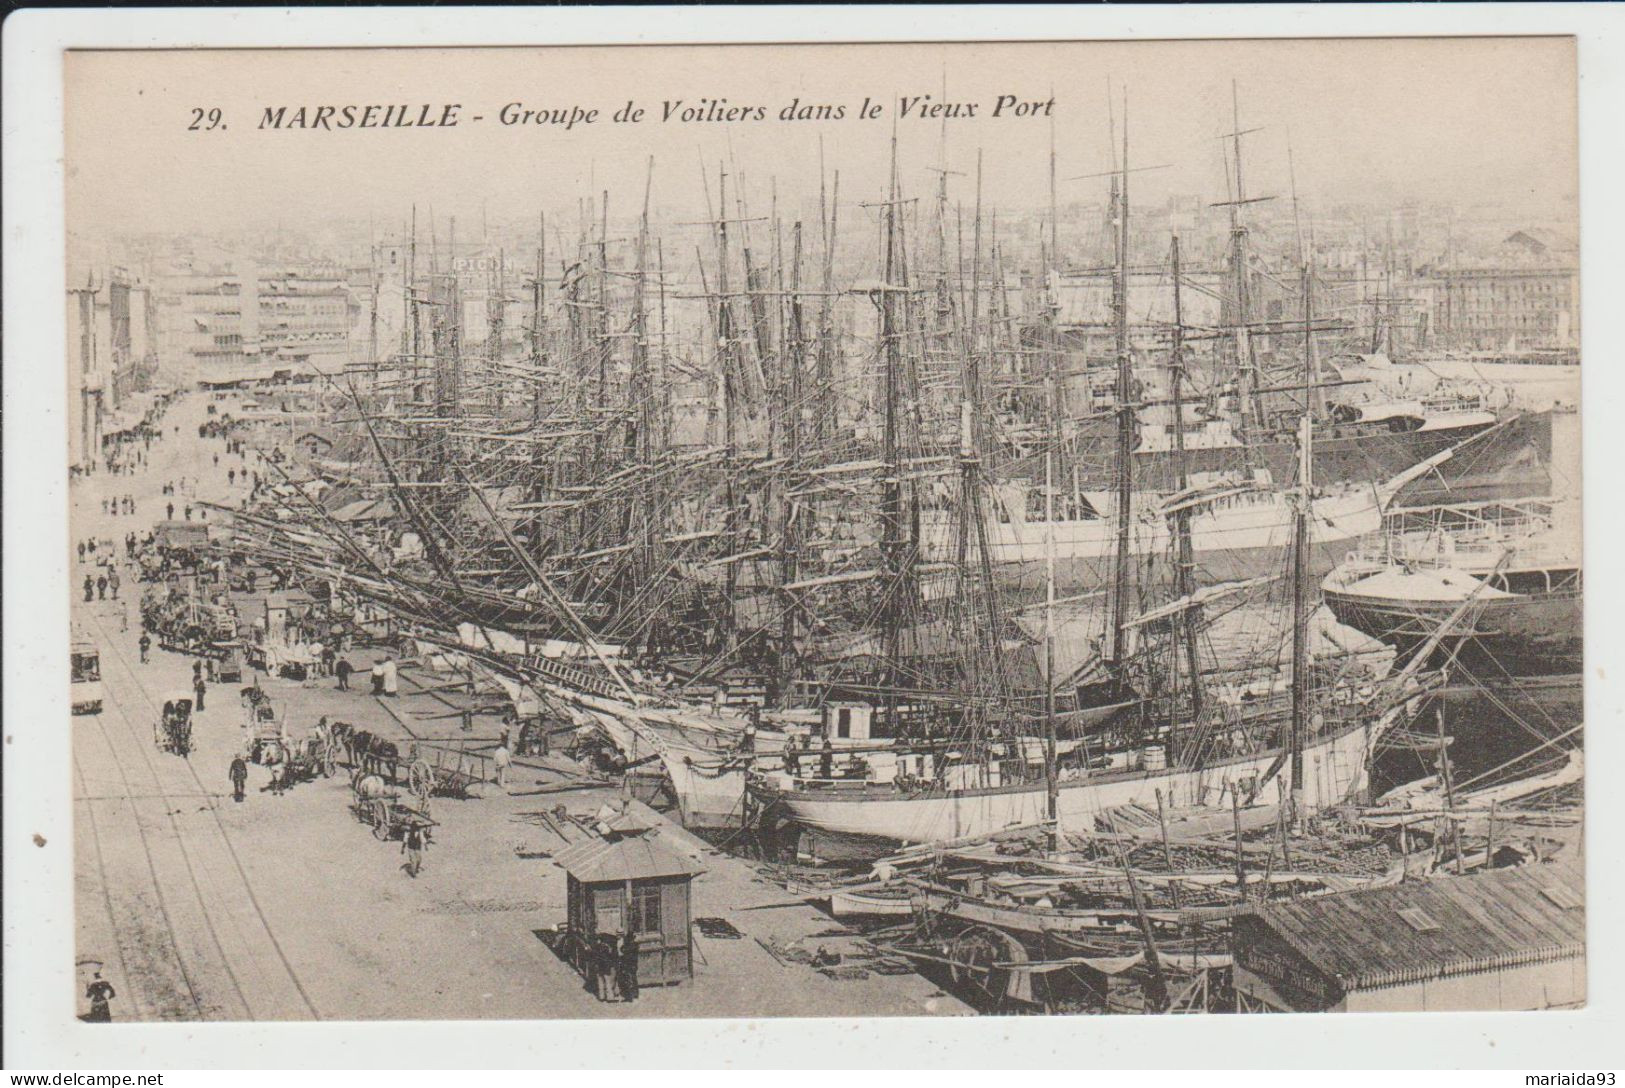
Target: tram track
119	949
258	931
201	944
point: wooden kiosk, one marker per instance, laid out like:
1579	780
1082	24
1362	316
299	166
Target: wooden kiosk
634	882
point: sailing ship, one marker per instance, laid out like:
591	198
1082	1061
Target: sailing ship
990	776
815	547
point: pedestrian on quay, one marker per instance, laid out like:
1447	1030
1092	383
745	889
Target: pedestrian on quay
412	845
104	506
81	552
90	589
100	993
377	669
342	669
231	476
188	511
329	658
101	587
626	967
239	777
113	582
501	757
169	512
604	963
145	643
200	687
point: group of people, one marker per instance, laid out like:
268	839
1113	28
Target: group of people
119	504
89	547
96	589
612	967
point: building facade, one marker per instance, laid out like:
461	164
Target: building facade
237	318
1497	308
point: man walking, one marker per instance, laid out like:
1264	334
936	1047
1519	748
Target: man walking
145	643
90	589
199	687
342	669
239	777
81	551
101	587
502	758
170	511
412	844
113	582
626	967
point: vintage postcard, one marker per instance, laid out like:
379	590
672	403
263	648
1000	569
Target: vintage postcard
910	530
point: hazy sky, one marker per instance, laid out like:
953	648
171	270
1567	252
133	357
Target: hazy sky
1465	120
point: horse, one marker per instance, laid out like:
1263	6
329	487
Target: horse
369	787
357	743
339	734
383	752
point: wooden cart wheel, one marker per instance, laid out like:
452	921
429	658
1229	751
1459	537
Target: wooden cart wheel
420	777
974	953
380	820
329	762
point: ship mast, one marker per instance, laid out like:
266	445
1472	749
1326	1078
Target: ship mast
1125	420
1052	806
892	496
795	358
1185	560
1302	499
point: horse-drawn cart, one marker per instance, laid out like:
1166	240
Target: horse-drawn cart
446	769
381	807
224	664
173	730
303	760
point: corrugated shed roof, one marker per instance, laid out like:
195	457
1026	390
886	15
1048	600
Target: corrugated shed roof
1430	929
639	858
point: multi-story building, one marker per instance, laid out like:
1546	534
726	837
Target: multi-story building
237	319
304	318
1492	308
86	380
111	355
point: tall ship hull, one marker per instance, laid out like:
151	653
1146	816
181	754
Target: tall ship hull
1335	769
1238	530
1245	537
1534	627
1348	453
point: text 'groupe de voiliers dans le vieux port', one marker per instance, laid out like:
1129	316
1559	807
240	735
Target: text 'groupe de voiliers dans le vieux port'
702	110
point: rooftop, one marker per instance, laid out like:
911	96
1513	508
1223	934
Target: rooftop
1434	928
642	857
